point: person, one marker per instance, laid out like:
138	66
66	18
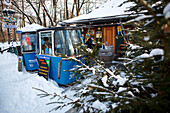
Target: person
46	47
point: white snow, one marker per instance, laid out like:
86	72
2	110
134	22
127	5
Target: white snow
16	89
121	89
133	47
157	51
142	17
104	80
166	11
145	55
6	45
99	105
6	9
121	81
32	27
110	8
146	38
17	93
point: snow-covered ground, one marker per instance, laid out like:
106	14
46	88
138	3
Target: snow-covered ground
16	88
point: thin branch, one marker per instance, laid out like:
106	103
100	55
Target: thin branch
35	11
28	17
47	12
101	89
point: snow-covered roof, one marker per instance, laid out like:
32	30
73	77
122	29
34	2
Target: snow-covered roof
30	28
109	9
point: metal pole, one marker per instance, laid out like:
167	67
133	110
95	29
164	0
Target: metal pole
11	38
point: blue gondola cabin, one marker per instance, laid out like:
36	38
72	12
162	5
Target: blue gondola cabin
52	44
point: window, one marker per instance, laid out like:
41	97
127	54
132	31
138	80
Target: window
59	46
68	43
75	37
28	41
65	40
46	46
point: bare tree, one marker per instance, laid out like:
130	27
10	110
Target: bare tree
30	19
23	17
79	6
55	10
67	12
46	11
72	11
37	14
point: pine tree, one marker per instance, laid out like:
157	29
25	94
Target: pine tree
150	60
145	88
143	84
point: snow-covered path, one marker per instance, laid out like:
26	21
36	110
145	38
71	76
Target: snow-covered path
16	93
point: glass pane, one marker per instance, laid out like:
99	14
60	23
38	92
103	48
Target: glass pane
59	43
46	46
68	42
79	34
28	41
75	39
74	36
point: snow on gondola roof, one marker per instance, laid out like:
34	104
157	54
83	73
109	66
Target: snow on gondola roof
8	10
109	9
30	28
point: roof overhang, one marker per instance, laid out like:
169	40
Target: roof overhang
100	21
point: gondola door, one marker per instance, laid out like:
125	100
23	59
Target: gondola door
46	42
46	49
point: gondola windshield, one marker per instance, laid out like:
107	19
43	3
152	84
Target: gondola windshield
65	40
28	42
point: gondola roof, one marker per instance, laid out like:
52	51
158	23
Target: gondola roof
59	28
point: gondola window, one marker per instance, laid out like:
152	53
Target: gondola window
59	43
28	42
46	46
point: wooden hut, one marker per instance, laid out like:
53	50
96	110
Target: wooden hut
105	23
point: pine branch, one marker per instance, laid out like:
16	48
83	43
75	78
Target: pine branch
150	10
104	89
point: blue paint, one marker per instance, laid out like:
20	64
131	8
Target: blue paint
30	61
66	65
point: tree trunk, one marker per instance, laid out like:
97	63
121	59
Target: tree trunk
23	17
55	10
38	8
1	29
79	6
67	13
44	19
2	34
64	15
51	21
72	11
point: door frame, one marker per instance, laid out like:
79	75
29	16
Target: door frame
52	40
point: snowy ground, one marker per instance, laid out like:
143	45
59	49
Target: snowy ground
16	88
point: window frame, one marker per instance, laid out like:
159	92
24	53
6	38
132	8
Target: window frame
52	41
